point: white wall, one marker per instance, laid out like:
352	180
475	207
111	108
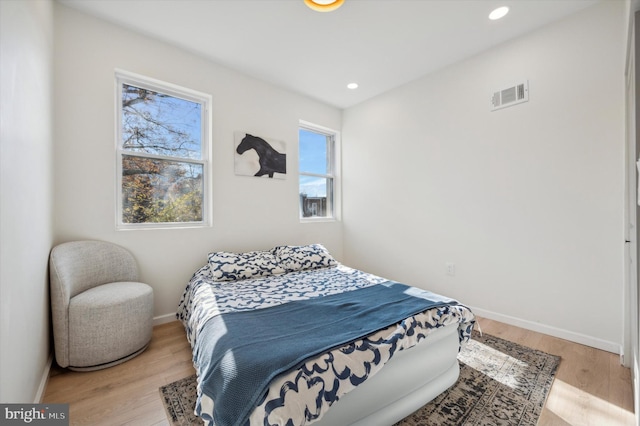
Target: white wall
26	203
526	201
249	213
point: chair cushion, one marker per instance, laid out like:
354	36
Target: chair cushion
109	322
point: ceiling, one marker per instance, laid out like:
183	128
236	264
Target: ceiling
380	44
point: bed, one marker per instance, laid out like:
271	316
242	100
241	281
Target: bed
289	336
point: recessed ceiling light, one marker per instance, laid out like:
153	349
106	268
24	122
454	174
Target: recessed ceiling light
324	5
352	86
498	13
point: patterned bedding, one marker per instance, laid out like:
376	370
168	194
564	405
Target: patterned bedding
304	394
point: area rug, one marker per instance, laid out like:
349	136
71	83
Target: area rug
501	383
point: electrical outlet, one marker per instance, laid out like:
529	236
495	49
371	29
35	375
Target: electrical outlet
451	269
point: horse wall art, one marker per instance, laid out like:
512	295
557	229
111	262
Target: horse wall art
257	157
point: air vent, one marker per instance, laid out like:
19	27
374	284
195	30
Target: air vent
511	95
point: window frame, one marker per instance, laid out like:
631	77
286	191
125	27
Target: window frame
205	100
333	173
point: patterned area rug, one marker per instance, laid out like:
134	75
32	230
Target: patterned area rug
501	383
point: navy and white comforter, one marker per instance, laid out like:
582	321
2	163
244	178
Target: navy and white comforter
303	394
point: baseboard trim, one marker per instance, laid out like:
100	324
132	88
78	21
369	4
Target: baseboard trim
552	331
44	380
163	319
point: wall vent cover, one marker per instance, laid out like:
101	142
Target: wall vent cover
512	95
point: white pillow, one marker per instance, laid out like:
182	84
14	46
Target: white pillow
300	258
226	266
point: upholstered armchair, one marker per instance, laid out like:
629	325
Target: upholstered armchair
101	315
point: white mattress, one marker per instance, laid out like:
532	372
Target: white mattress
407	382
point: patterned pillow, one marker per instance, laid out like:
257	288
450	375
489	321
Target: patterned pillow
227	266
299	258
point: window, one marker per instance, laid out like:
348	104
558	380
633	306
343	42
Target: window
318	165
163	139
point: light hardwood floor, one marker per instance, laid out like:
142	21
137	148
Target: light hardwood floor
591	387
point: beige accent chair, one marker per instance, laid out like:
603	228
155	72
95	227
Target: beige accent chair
101	315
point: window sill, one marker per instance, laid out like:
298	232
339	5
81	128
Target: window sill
317	219
155	226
